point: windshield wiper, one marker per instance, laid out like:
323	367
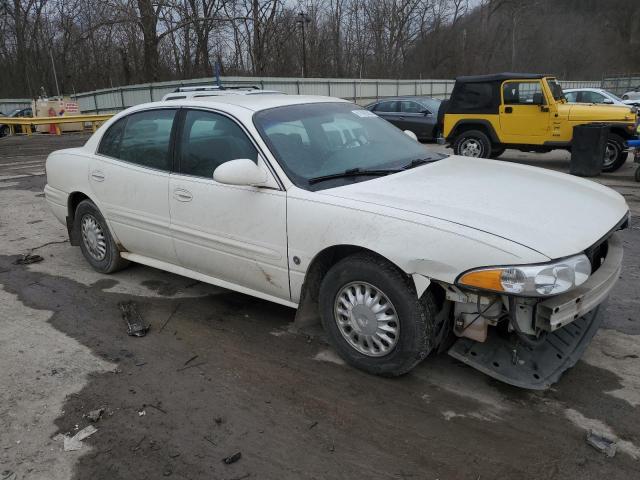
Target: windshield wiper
417	162
353	172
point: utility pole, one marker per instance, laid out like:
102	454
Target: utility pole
303	19
55	75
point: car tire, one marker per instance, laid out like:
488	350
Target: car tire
96	242
615	153
496	152
637	174
407	343
472	143
4	131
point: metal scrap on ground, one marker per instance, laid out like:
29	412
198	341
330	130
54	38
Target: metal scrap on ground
75	442
602	443
28	259
136	326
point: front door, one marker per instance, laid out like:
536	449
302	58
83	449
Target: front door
129	176
236	234
524	114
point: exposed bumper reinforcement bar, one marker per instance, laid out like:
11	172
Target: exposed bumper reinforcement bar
558	311
532	368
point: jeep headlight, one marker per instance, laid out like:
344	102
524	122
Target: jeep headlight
530	280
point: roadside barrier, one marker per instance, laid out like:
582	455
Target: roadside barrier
54	122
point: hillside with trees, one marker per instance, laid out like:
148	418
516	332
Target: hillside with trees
105	43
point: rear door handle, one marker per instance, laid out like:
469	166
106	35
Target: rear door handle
182	195
97	175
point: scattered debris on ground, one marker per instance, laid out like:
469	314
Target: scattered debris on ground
136	326
95	415
75	442
232	458
602	443
142	412
8	475
28	259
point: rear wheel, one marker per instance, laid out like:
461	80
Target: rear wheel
615	154
373	317
96	242
472	143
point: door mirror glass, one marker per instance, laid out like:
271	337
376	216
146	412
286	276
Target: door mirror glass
242	171
608	101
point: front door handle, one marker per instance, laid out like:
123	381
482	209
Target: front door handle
182	195
508	109
97	175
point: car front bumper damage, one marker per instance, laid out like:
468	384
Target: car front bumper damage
570	320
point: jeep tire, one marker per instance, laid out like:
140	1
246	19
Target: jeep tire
472	143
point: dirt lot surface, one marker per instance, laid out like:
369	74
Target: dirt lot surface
221	373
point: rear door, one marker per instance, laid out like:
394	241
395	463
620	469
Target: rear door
236	234
524	116
129	176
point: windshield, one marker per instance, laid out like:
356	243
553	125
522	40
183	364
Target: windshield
326	139
613	95
556	89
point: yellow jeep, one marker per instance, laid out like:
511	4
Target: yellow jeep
489	113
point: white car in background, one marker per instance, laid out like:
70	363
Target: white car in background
320	205
597	96
633	94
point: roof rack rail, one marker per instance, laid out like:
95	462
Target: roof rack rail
204	88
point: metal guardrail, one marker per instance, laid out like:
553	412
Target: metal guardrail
27	122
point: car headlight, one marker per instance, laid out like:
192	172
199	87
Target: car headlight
530	280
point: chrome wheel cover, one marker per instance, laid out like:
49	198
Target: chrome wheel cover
471	147
367	319
93	237
610	154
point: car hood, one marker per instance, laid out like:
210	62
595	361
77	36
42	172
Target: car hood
552	213
599	113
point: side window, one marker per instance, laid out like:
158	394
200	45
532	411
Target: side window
521	93
387	107
208	140
592	97
110	142
407	106
474	97
571	97
145	139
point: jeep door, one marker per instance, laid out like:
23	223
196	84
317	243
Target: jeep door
524	112
129	177
234	233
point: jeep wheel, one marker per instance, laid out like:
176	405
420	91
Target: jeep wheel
615	154
373	317
472	143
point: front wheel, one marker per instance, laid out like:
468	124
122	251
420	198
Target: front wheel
472	143
373	317
496	152
615	154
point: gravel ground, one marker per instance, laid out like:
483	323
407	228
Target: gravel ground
221	373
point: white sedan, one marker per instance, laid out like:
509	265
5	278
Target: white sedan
320	205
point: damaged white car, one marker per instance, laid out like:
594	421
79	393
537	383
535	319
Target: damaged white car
318	204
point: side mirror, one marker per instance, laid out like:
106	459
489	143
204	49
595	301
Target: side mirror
608	101
240	172
425	112
409	133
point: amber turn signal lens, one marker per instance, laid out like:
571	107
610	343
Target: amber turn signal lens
484	279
